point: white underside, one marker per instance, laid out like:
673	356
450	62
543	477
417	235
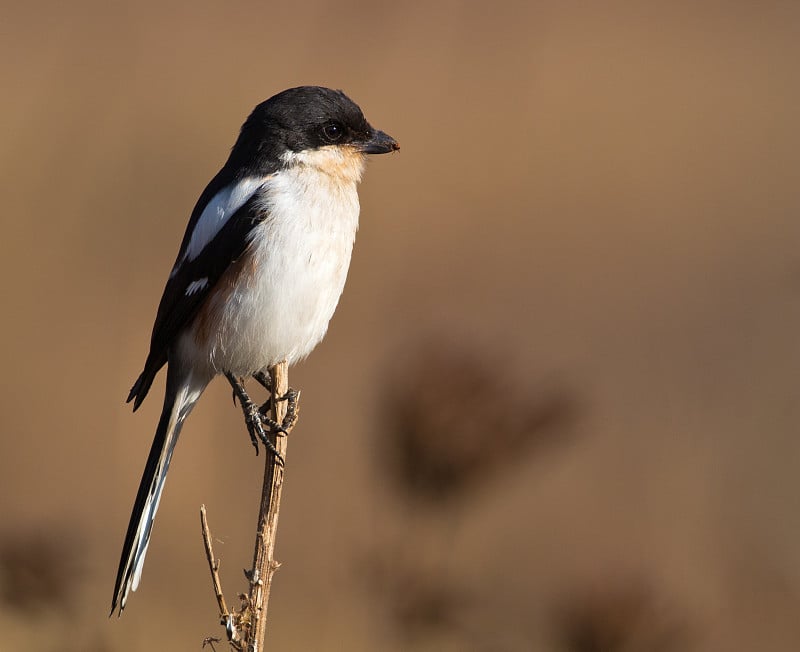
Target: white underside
301	258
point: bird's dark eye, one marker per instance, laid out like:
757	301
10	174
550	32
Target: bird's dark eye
333	132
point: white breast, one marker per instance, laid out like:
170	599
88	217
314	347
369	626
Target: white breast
280	305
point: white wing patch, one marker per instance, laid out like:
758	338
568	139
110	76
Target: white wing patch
196	286
216	213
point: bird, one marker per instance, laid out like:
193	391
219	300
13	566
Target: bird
258	275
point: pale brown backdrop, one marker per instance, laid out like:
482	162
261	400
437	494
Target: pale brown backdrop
594	214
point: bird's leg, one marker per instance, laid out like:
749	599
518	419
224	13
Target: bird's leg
264	380
291	409
254	419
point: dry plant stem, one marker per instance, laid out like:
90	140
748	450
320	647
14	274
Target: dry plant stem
231	621
213	564
264	564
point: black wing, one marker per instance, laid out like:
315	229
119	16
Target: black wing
192	280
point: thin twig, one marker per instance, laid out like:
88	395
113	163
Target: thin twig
231	621
213	563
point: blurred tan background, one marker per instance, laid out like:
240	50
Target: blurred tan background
557	407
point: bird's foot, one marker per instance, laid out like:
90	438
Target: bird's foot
255	420
292	396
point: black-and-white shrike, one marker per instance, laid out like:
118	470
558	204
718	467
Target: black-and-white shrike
259	272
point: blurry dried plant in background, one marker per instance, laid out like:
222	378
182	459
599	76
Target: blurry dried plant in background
42	575
617	616
40	571
451	421
419	602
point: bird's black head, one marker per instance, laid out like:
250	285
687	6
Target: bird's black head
302	119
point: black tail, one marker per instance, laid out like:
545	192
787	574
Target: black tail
178	401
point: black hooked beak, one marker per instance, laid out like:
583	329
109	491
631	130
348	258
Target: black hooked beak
379	143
